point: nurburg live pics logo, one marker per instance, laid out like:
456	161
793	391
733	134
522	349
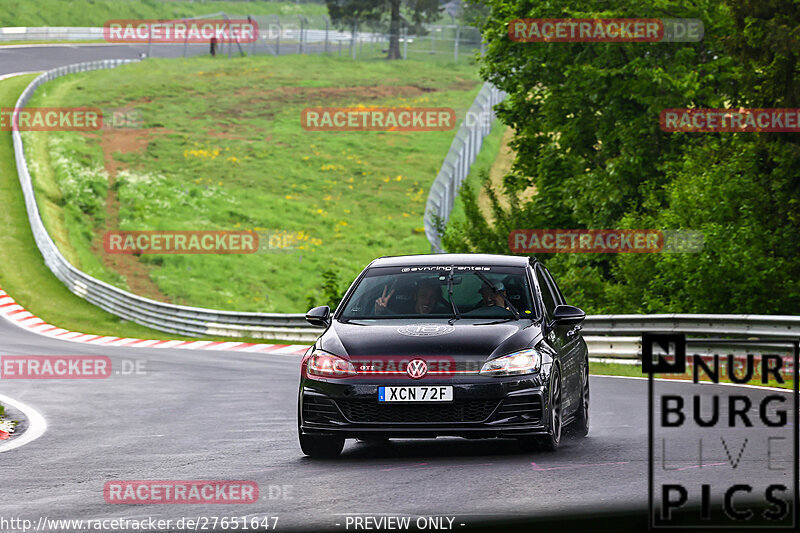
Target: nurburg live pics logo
721	457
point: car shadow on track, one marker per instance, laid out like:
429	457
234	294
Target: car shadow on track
444	448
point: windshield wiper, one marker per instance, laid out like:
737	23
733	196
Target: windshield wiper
496	291
456	314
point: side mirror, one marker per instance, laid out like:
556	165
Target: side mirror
319	316
567	315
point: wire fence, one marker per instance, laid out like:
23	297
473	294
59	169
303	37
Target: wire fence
280	35
302	34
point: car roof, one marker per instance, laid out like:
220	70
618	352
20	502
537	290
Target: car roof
452	259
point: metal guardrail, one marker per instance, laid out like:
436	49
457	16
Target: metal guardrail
51	33
455	169
630	348
756	326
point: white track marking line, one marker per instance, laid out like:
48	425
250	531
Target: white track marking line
6	76
143	344
288	350
84	338
123	342
253	348
104	340
224	346
194	345
167	344
37	425
71	335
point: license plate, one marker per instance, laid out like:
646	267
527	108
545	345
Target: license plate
439	393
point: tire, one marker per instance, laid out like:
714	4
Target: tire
580	426
551	441
321	446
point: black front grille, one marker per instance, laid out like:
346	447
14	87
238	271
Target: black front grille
528	405
320	409
370	411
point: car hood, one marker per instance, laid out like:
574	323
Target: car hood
407	338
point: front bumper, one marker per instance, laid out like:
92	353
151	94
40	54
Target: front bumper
481	407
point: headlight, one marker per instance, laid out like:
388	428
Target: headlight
328	365
523	362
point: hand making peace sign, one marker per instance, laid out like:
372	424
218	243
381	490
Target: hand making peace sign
383	300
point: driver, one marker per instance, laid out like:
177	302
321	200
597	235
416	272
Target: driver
491	298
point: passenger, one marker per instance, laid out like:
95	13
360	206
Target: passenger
427	299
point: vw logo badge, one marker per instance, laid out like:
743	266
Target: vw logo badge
417	368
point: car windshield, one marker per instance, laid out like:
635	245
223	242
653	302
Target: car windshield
424	292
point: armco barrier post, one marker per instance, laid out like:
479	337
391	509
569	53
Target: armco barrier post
278	36
455	46
302	33
353	42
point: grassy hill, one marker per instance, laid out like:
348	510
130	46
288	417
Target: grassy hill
97	12
221	147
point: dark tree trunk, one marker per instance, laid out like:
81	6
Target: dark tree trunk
394	32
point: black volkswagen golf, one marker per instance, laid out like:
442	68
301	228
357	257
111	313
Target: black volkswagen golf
465	345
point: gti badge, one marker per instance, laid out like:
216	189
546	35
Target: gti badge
417	368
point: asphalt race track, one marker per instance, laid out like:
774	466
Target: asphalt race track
203	415
231	415
17	58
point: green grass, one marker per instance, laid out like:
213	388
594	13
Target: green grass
23	274
224	149
615	369
97	12
14	423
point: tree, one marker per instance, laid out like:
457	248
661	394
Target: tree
347	14
586	134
